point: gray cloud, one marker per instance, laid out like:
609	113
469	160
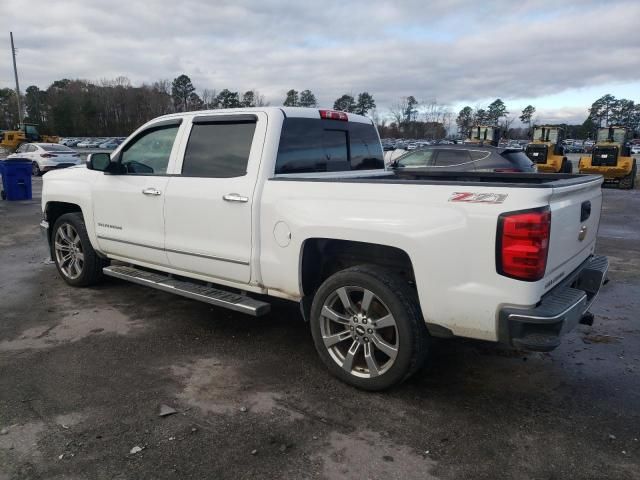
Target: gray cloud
453	51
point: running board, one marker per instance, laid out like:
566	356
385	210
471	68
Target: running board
195	291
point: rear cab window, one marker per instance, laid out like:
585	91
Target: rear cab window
309	145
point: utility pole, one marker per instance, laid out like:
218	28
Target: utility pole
15	72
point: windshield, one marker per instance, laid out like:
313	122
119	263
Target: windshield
550	135
618	135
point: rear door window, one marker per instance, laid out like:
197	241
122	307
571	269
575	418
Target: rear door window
218	149
453	158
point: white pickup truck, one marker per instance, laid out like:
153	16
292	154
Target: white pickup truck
232	207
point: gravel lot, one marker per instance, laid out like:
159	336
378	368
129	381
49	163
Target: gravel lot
84	372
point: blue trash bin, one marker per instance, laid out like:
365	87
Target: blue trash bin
16	179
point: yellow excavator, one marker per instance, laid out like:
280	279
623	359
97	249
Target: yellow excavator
482	134
26	132
611	158
545	150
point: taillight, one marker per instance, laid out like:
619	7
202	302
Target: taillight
506	170
47	155
523	244
334	115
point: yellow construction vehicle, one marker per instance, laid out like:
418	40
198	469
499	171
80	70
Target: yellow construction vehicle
611	158
484	134
26	132
545	150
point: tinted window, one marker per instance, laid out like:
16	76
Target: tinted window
449	158
519	160
366	151
314	145
417	158
149	153
334	150
219	150
479	154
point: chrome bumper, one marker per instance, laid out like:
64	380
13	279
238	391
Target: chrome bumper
560	310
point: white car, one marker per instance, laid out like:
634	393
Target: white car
635	149
47	156
232	207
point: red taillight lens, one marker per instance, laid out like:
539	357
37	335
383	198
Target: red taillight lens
334	115
47	155
506	170
523	244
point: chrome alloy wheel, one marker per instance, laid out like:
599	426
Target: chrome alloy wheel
359	332
68	250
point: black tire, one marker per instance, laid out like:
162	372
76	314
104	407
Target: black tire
567	166
91	271
35	169
410	332
629	182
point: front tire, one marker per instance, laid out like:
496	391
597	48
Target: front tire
75	258
367	327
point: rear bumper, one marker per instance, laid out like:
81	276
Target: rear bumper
540	328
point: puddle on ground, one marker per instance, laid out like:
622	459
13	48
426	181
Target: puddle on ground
73	327
367	454
217	388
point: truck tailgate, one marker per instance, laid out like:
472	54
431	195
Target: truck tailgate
575	216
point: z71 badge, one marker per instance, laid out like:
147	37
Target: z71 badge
470	197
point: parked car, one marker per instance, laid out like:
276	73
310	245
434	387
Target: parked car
466	158
572	148
91	143
635	149
46	156
111	143
378	261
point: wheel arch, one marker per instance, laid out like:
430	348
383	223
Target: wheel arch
322	257
55	209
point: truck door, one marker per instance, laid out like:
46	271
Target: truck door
128	206
209	202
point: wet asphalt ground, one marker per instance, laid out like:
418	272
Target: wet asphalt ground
84	372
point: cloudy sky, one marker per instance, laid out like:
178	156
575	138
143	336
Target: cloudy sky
556	55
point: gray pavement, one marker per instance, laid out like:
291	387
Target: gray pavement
83	373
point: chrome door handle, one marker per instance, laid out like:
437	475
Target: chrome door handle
151	191
235	197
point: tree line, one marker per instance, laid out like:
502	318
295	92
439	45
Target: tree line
116	107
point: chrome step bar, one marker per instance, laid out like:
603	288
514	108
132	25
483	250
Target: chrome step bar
195	291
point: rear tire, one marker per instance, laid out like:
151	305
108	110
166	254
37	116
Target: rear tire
76	260
629	182
35	169
567	166
368	328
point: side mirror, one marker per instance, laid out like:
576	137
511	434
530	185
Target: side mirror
98	161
